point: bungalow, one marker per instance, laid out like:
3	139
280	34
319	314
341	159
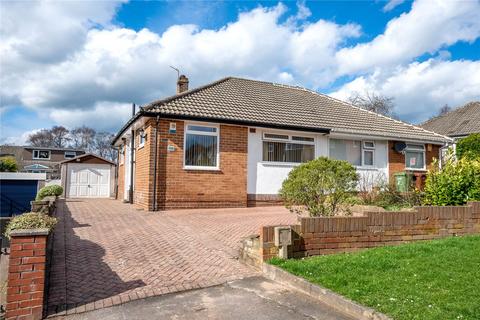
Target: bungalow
232	142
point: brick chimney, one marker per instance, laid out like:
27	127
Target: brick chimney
182	84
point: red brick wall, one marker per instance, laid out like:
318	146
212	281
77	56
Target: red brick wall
26	277
144	159
180	188
317	236
396	162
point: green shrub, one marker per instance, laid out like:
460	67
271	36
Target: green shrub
320	186
30	220
389	198
455	184
469	147
8	164
53	190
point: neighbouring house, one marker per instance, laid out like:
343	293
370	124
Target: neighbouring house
457	123
40	159
17	189
231	143
88	176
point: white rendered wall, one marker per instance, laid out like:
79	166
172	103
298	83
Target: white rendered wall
267	177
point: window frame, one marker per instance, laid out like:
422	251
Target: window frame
290	140
371	149
205	133
142	137
38	154
65	154
415	147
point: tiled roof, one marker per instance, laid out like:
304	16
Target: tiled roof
265	103
459	122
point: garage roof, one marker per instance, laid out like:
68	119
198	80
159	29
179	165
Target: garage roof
88	157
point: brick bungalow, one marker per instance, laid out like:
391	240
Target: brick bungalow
232	142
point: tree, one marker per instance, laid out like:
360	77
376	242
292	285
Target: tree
42	138
59	136
445	109
8	164
319	187
83	138
102	145
373	102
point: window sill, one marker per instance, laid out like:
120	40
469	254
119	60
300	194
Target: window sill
279	164
416	170
140	146
193	168
370	168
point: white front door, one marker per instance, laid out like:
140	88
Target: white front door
88	180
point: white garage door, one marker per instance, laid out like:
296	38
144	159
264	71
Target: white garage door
88	180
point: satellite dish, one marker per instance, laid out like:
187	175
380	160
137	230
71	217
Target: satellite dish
399	146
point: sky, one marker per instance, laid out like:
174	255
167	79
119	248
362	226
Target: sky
85	62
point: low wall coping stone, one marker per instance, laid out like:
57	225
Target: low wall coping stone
29	232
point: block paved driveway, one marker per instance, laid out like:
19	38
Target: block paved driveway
106	252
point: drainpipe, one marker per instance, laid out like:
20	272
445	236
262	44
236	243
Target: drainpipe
155	207
132	152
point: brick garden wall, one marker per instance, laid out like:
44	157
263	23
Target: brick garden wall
317	236
396	162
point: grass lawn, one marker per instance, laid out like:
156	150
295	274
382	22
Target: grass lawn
425	280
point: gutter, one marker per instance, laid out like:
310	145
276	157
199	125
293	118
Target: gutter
132	154
155	157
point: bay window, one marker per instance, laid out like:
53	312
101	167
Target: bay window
288	148
415	157
201	146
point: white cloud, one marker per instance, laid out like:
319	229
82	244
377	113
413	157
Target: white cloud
392	4
429	26
420	89
18	140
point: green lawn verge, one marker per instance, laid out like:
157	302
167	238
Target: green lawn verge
425	280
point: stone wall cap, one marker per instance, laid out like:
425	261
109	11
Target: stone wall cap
29	232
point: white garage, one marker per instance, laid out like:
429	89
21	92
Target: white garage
88	176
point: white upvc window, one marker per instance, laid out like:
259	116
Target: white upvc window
70	154
121	152
368	153
202	146
142	137
279	147
356	152
41	154
415	157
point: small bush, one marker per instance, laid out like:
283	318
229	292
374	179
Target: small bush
30	220
389	198
457	183
469	147
320	186
8	164
53	190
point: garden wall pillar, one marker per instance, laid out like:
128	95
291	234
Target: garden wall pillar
26	274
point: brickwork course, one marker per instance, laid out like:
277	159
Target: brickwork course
317	236
107	253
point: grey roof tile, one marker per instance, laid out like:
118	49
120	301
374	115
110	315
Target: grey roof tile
252	101
459	122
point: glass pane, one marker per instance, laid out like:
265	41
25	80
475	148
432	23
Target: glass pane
346	150
368	158
202	128
302	138
369	144
201	150
275	136
43	154
414	160
287	152
415	147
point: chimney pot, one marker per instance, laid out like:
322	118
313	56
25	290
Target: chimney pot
182	84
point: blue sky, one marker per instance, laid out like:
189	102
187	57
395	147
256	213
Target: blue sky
75	63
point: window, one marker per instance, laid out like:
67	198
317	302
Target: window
70	154
415	156
368	153
142	137
41	154
356	152
285	148
348	150
201	147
